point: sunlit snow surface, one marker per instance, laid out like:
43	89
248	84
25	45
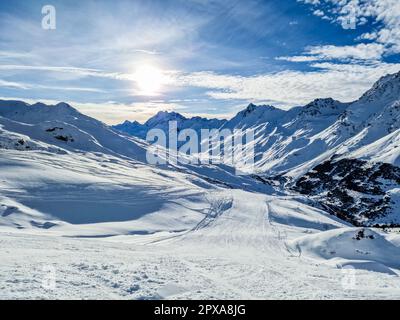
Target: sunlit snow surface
178	240
80	208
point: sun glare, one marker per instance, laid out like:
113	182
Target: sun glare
149	80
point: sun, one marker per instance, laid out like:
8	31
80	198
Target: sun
149	80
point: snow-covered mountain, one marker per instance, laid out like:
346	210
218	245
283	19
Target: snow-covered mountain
326	175
290	144
71	146
62	127
161	121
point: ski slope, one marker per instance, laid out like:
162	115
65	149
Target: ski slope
244	252
118	229
112	228
80	204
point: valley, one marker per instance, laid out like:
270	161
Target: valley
318	219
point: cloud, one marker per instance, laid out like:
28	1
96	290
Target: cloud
384	13
29	86
370	51
341	72
298	58
367	52
368	36
79	72
320	13
14	54
345	82
11	84
104	52
313	2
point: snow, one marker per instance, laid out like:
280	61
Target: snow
92	195
362	265
350	244
191	242
382	150
46	124
239	255
78	197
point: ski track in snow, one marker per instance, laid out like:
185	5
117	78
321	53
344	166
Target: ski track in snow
239	255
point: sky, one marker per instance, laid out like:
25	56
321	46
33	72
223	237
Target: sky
126	60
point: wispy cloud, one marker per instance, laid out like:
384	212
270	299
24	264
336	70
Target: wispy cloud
366	52
384	14
345	82
79	72
14	54
33	86
11	84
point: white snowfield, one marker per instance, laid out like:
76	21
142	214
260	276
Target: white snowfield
106	228
83	216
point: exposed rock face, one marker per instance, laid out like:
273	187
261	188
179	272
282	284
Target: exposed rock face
360	192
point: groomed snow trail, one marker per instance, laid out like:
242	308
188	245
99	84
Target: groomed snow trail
239	253
245	223
171	236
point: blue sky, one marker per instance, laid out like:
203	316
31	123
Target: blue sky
118	60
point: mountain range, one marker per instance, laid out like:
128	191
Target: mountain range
324	195
291	144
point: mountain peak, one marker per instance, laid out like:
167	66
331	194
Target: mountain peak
322	102
251	108
394	77
387	87
323	106
130	123
63	105
170	114
163	117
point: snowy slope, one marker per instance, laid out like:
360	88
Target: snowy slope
64	127
61	169
292	143
95	195
238	252
201	231
385	150
362	248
